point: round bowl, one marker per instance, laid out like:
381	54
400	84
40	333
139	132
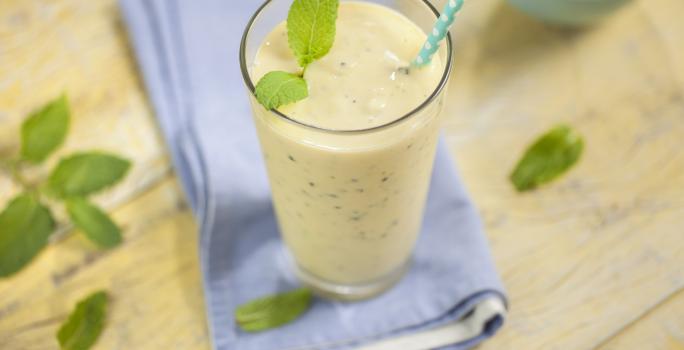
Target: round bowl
568	12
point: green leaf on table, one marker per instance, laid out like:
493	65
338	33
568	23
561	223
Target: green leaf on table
549	157
85	323
25	226
311	28
86	173
45	130
280	88
95	223
272	311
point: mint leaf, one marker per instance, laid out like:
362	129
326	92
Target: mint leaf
45	130
96	225
85	323
311	28
549	157
86	173
25	226
272	311
311	33
280	88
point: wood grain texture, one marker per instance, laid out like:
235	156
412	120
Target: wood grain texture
153	280
592	261
77	47
590	254
660	328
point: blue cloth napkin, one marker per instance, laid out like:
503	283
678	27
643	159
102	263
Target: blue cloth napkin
187	51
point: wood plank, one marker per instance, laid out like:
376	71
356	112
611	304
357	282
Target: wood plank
79	48
661	328
153	280
587	255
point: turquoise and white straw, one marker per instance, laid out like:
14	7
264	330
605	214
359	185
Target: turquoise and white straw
439	31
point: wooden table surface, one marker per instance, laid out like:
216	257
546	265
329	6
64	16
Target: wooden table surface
593	261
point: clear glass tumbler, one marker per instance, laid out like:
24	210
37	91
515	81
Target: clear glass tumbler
349	203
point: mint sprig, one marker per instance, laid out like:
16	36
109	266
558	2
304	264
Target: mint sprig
311	29
96	225
85	323
86	173
25	225
26	222
280	88
273	310
549	157
310	34
45	130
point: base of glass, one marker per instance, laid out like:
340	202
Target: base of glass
351	292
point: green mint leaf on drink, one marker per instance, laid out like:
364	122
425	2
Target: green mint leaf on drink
84	325
45	130
311	28
95	223
549	157
272	311
83	174
310	34
25	225
280	88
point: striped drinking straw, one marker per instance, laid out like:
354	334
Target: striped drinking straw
439	31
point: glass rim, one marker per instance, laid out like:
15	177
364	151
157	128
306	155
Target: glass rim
440	86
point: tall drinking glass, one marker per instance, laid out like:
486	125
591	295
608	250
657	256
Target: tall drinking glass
349	203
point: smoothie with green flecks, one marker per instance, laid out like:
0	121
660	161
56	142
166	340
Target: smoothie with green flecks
349	166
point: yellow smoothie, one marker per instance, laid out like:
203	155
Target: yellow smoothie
349	201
